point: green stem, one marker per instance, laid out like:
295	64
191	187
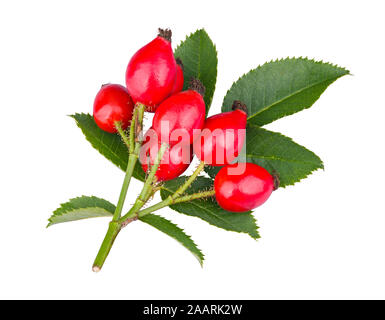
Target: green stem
118	223
118	126
134	146
126	183
146	192
170	200
189	181
147	188
137	119
113	230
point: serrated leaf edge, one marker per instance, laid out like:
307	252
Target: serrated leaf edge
92	144
189	36
60	211
282	135
194	202
216	52
218	217
200	258
294	93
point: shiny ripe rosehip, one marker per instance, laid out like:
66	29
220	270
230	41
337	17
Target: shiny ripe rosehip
222	136
179	78
180	115
175	160
112	104
150	74
243	192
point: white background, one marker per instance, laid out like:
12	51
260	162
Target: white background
322	238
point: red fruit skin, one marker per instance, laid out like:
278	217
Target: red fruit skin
150	74
244	192
175	160
179	80
112	103
221	147
185	110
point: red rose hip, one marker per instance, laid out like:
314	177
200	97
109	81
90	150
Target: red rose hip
151	72
222	136
245	191
179	78
175	160
112	104
177	117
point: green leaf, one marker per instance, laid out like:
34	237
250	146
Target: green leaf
275	152
282	87
175	232
81	208
199	57
212	171
108	144
208	210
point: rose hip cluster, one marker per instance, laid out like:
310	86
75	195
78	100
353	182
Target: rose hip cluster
154	78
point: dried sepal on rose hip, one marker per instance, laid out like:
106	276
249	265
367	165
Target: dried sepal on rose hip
222	136
243	187
177	117
112	105
151	72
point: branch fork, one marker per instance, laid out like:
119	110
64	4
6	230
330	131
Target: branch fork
150	187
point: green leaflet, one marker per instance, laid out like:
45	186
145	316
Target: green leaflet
199	57
92	207
212	171
81	208
108	144
208	210
175	232
277	153
282	87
